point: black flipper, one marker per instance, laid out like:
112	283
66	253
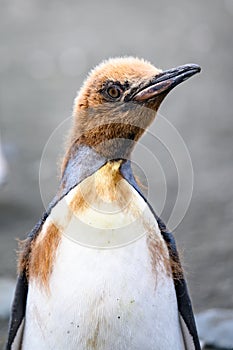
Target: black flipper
18	309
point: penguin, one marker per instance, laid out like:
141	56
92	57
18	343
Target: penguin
100	270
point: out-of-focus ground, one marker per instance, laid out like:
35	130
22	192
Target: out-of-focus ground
46	50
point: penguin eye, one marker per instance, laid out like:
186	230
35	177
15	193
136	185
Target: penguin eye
114	91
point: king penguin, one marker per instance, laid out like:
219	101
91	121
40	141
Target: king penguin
100	270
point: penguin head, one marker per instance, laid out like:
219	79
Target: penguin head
119	100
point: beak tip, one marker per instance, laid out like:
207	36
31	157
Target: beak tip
193	66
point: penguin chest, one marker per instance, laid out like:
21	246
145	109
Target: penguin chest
110	287
103	300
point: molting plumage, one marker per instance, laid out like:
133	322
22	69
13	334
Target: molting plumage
110	124
100	270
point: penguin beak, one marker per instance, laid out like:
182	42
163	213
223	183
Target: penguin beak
165	82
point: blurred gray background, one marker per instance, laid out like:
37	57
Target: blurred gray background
46	50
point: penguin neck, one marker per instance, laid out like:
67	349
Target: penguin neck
111	149
112	139
82	160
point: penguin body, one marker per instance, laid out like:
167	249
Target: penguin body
106	305
100	270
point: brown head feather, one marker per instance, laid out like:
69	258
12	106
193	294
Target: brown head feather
111	127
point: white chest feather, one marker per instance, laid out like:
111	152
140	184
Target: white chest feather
102	298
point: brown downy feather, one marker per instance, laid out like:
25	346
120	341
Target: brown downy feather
160	258
37	256
96	121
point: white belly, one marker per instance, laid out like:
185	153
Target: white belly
104	299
